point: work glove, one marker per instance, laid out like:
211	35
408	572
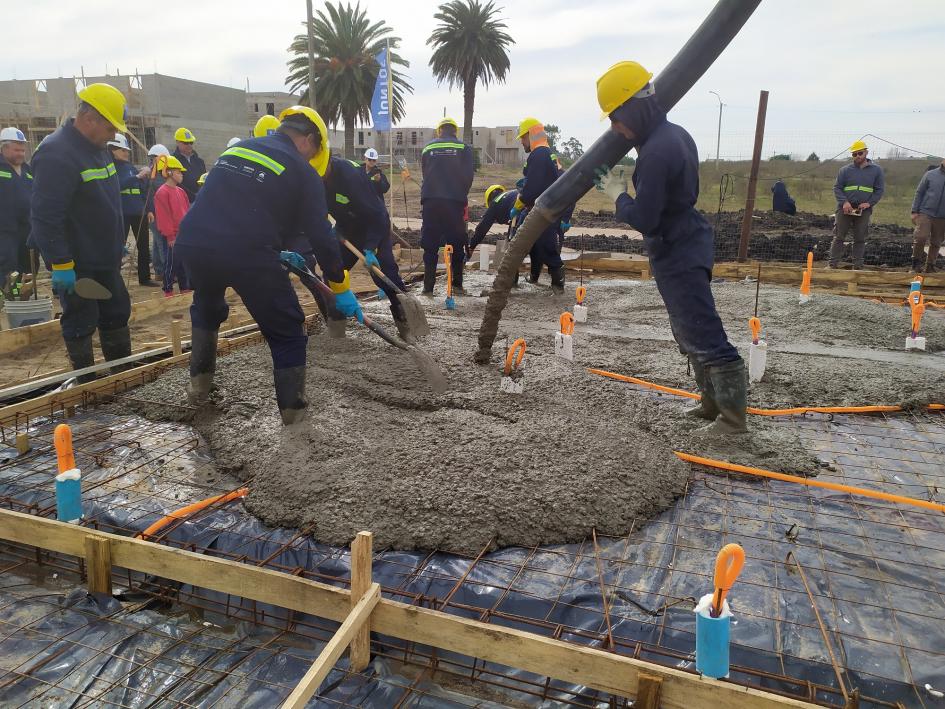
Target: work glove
63	278
293	259
610	182
381	295
565	226
370	259
521	183
348	305
516	209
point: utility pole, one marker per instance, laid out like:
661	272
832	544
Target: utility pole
310	33
718	139
753	177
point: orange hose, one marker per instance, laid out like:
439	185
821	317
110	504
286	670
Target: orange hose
862	492
185	512
764	412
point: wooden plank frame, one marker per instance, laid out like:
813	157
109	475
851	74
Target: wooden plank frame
605	671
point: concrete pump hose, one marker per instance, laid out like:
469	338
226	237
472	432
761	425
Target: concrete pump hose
686	68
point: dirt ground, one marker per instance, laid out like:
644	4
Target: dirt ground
476	467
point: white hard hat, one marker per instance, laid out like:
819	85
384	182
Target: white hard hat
120	141
12	134
370	154
157	150
233	141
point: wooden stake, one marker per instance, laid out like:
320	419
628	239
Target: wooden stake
361	558
176	346
648	694
98	561
753	177
333	650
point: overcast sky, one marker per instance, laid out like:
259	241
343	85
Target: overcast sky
835	70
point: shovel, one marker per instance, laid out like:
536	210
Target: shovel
424	362
413	311
91	289
448	259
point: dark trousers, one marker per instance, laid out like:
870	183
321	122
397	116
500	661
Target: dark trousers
443	224
264	287
173	270
860	226
546	251
139	226
682	268
14	254
81	317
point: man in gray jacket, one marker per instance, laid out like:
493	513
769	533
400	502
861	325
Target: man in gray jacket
860	185
928	215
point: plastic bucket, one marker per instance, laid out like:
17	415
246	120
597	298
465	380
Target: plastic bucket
28	312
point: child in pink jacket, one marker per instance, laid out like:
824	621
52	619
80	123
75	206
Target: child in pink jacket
170	206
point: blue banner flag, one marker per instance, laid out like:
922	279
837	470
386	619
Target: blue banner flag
380	102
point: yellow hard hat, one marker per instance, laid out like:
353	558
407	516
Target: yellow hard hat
183	135
169	162
202	179
492	190
266	125
447	122
108	101
857	146
320	161
526	125
619	84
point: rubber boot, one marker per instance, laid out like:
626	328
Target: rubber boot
557	280
917	266
116	344
336	328
730	387
535	272
429	280
707	408
400	320
203	363
80	356
457	264
290	393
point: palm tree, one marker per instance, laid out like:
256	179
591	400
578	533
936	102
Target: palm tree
469	45
346	44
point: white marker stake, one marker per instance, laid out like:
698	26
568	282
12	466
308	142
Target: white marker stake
564	342
917	305
757	352
483	259
513	376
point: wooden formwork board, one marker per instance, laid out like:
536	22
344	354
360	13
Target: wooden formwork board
605	671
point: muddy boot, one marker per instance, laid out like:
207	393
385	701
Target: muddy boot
515	282
400	320
290	393
534	273
336	328
707	408
730	388
203	363
80	356
457	267
916	266
557	280
116	344
429	280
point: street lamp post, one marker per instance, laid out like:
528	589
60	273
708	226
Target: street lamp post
718	139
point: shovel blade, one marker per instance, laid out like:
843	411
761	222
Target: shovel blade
416	317
91	289
430	369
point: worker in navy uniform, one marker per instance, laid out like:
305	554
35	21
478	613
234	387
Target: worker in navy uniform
678	239
16	185
76	223
375	173
499	202
361	218
448	167
540	173
258	200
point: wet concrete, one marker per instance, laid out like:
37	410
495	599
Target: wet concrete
476	467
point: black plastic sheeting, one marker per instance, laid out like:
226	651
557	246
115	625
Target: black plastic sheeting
875	570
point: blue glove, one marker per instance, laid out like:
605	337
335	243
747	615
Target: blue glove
521	183
381	295
370	258
565	226
513	212
63	278
348	305
293	259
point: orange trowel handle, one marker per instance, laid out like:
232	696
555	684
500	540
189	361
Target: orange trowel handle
754	325
514	358
63	441
728	565
567	323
